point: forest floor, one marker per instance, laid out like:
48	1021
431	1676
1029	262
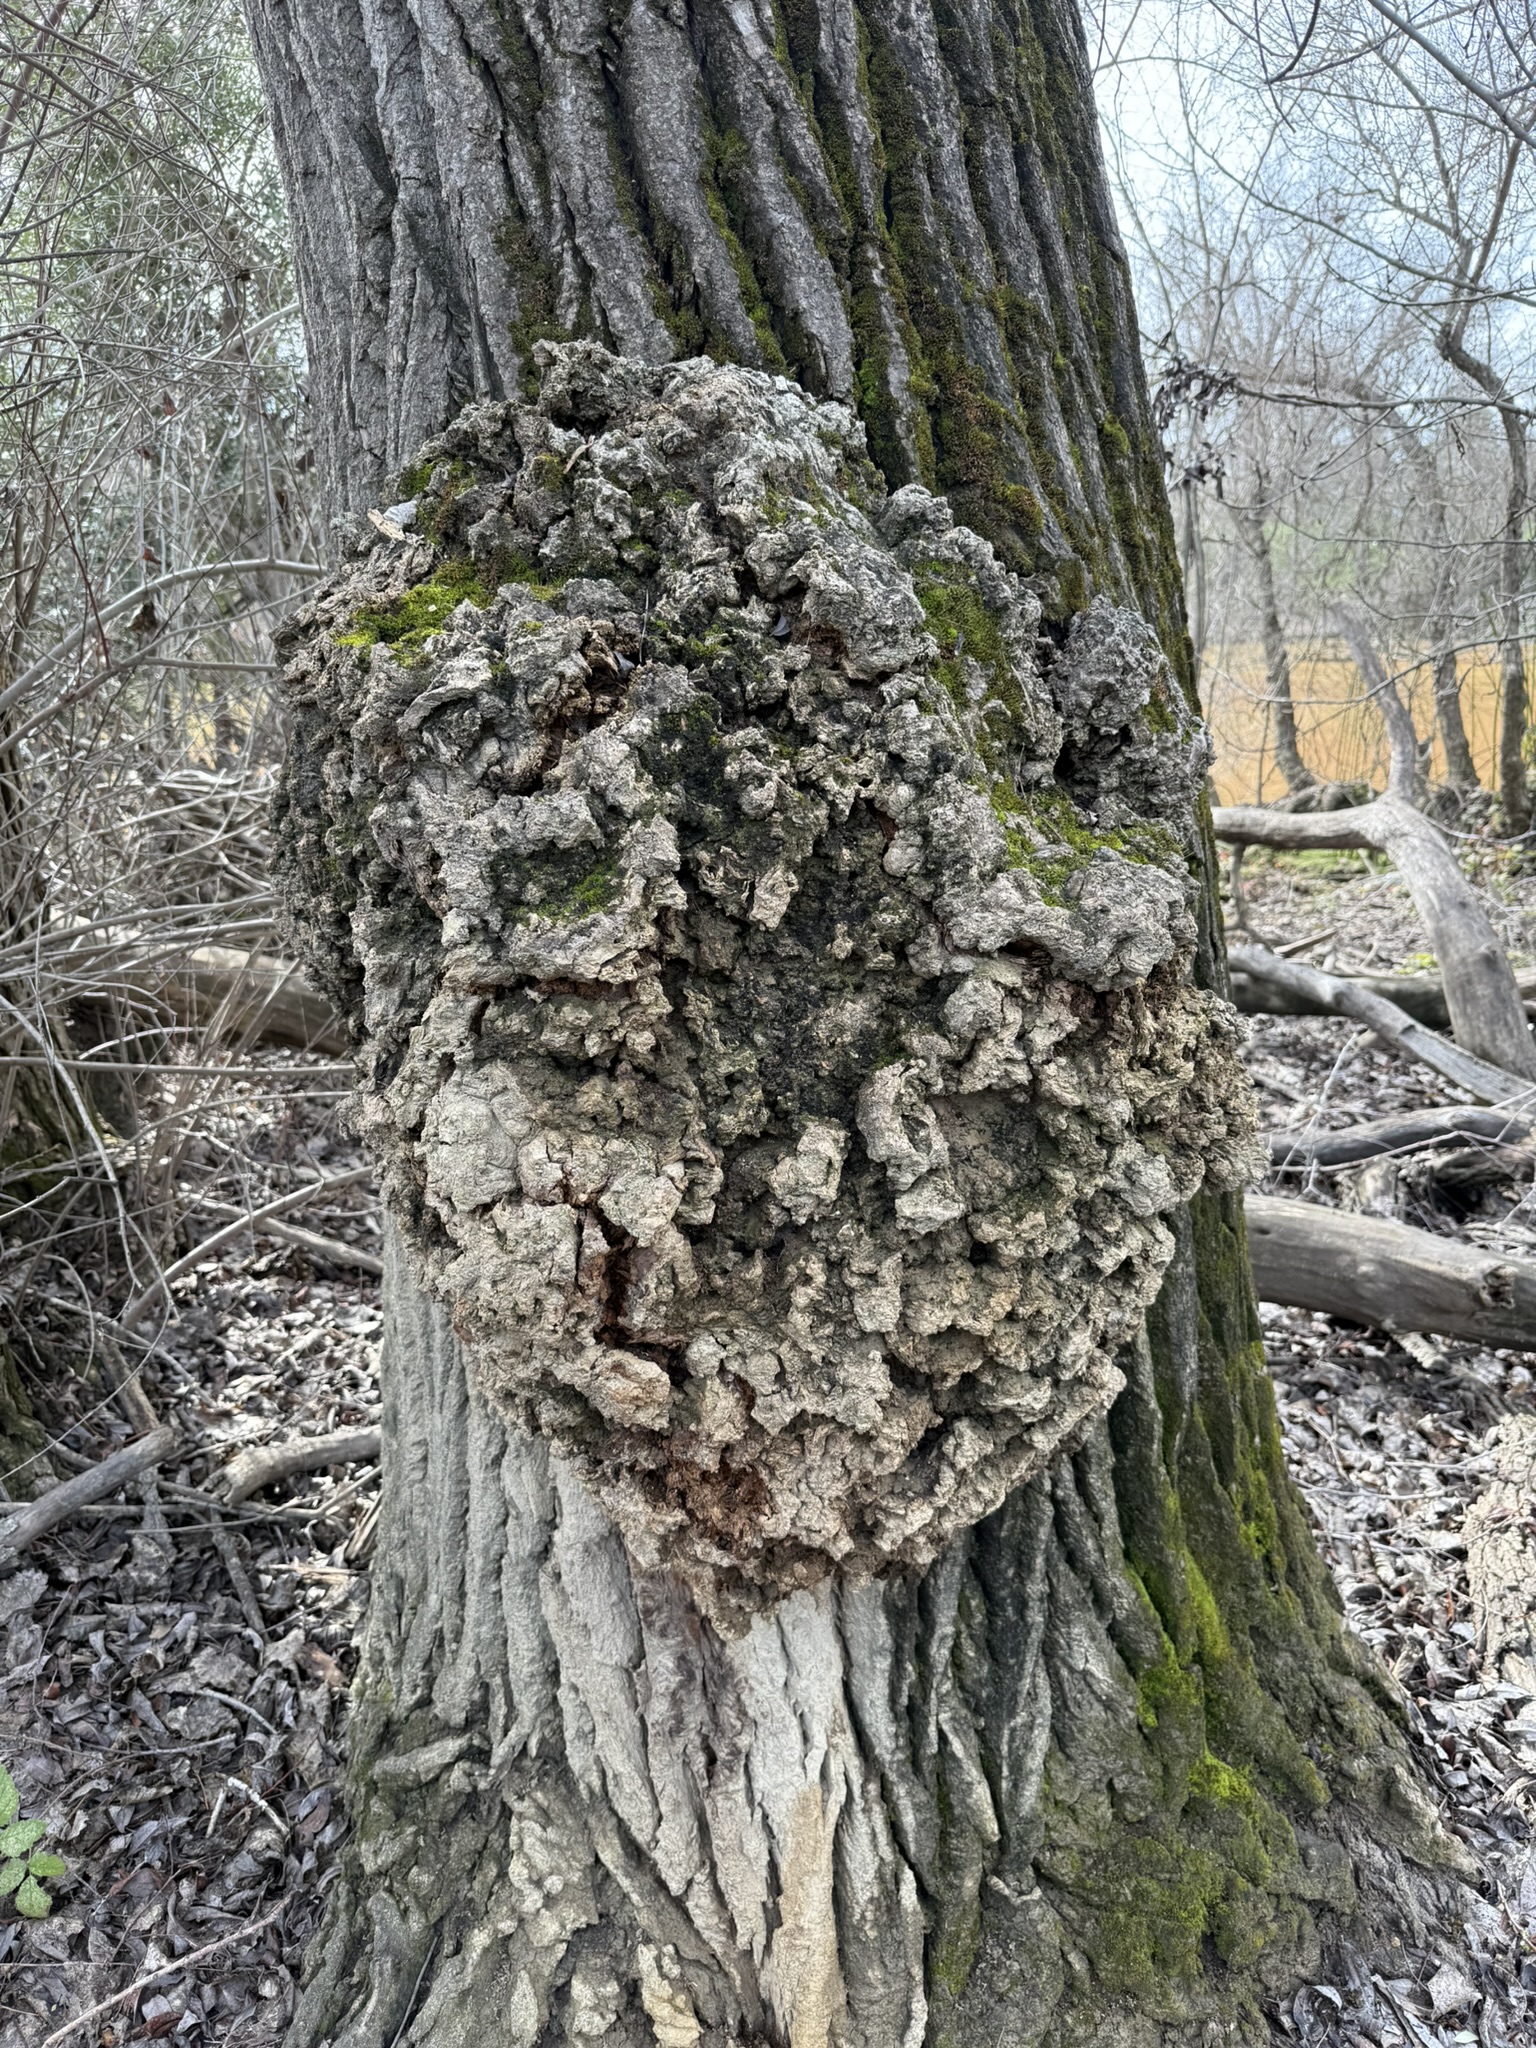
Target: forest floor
172	1681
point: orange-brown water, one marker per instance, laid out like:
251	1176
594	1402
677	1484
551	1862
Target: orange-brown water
1340	732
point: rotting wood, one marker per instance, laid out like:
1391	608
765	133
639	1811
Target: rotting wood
1341	998
1487	1015
1365	1270
38	1516
264	1465
1394	1135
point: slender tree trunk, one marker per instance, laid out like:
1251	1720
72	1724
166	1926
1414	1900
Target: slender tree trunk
1514	797
1106	1769
1460	768
1277	660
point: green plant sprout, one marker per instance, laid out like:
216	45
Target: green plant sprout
22	1863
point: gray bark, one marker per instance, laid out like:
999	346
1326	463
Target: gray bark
1277	660
1514	795
909	215
885	1814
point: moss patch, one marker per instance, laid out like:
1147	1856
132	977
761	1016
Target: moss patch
409	621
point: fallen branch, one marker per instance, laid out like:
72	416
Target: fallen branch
334	1249
174	1968
136	1310
1364	1270
1393	1135
1421	995
1338	997
1486	1012
251	1470
25	1524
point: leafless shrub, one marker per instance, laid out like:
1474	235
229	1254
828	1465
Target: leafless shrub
155	518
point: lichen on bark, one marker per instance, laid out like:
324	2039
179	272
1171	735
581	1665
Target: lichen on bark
770	959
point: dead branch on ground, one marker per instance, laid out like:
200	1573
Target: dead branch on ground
1362	1269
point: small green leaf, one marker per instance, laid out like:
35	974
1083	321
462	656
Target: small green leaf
21	1836
45	1864
32	1900
10	1798
11	1875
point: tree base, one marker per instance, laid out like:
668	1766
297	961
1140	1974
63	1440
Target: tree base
1005	1803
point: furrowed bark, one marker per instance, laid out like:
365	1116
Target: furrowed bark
1062	1782
927	1810
1487	1014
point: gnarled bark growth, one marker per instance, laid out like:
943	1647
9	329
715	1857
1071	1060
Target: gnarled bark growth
770	965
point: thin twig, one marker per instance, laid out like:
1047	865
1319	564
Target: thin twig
171	1969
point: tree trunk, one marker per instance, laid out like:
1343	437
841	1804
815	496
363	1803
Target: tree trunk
1277	660
1099	1763
1514	795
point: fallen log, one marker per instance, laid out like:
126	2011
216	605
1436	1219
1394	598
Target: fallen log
1487	1015
1339	997
249	1471
1421	995
1364	1270
250	997
25	1524
1387	1136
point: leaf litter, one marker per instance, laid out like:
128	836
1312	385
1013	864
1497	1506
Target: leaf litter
1390	1442
172	1678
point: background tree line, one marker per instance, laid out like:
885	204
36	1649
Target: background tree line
1331	222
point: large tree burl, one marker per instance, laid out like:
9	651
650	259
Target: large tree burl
769	955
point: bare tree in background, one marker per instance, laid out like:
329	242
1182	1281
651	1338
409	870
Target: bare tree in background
1341	226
